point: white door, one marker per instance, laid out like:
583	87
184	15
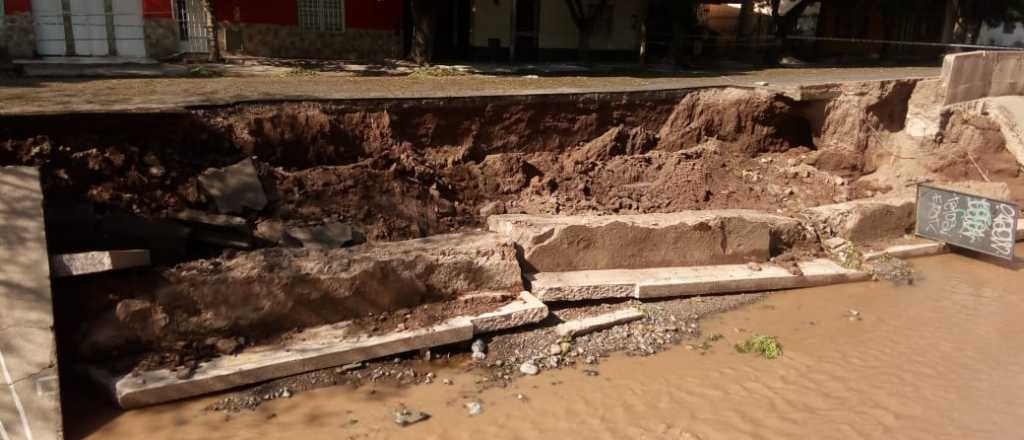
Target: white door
191	16
129	36
89	25
48	21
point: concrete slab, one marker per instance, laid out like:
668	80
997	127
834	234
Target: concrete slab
909	250
69	265
527	309
974	75
235	188
586	242
590	324
321	347
331	235
29	389
684	281
1008	113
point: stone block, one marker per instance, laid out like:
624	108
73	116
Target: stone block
590	324
526	309
331	235
235	188
68	265
29	389
584	242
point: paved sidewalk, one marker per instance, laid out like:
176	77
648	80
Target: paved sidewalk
42	95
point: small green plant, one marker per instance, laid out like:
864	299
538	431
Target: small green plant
300	72
766	346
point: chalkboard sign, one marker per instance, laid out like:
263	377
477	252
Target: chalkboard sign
968	221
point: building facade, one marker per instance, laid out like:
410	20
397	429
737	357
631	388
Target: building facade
363	29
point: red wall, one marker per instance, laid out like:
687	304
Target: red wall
14	6
156	9
373	14
359	14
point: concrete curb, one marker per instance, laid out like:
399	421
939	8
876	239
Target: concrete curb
322	347
590	324
686	281
69	265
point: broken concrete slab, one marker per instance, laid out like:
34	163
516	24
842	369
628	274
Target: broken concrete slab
685	281
29	389
84	263
973	75
320	348
885	217
909	251
1008	113
590	324
235	188
588	242
217	220
526	309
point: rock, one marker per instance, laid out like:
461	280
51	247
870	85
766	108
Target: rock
754	266
761	83
331	235
529	369
235	188
590	372
274	231
587	242
66	265
478	355
404	416
286	393
835	244
227	345
478	346
447	381
474	408
555	349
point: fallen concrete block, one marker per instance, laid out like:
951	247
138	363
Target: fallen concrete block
29	387
322	347
584	242
278	289
590	324
216	220
684	281
67	265
235	188
527	309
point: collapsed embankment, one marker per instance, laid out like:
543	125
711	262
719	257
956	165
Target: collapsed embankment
401	169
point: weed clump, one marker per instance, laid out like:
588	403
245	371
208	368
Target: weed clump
766	346
437	72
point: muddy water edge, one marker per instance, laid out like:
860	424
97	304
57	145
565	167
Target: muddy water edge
936	359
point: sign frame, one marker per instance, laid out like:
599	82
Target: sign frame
918	232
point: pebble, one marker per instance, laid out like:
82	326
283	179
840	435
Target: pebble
478	355
529	368
754	266
406	416
474	408
447	381
590	372
479	346
555	349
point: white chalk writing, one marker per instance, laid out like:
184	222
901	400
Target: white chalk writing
950	214
977	219
1003	229
934	214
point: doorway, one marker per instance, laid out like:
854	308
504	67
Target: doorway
451	36
526	24
191	18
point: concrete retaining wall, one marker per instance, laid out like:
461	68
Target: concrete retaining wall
974	75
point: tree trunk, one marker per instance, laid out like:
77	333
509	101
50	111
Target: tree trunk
743	29
422	50
212	46
949	22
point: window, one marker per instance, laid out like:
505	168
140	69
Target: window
322	15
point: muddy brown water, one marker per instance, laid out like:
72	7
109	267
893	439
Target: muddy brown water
938	359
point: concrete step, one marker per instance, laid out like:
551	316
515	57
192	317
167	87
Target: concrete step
84	263
685	281
322	347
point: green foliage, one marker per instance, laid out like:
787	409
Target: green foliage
767	347
300	72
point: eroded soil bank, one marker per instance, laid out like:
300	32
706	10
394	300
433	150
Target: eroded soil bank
400	169
918	364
